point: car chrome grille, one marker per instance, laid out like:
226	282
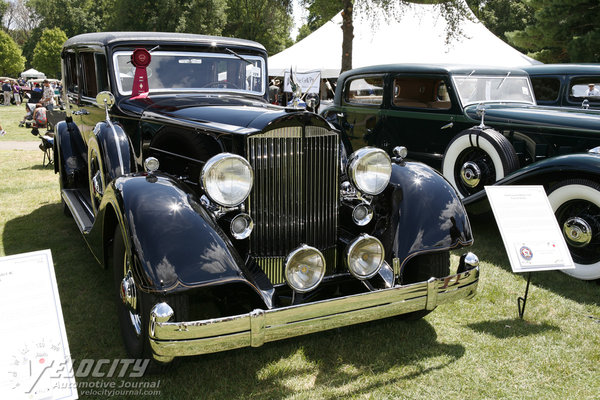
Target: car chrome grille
295	195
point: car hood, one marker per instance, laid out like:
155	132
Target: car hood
217	112
530	115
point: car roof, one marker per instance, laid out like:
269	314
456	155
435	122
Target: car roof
435	69
108	38
571	69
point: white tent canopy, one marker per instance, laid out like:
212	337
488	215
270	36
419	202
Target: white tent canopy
418	37
32	74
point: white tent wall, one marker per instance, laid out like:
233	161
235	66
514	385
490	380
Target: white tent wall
33	74
419	36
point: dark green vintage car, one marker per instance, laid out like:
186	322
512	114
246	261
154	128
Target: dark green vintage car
566	85
482	126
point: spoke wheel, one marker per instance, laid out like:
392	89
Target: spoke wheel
576	205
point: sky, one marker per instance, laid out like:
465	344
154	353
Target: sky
299	13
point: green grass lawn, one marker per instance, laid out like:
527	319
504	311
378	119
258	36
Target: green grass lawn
472	349
9	118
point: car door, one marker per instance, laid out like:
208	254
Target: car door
422	114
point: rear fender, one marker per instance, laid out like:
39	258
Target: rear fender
176	244
426	214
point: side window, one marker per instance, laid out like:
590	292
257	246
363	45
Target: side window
585	87
545	89
70	64
101	72
88	68
419	92
365	90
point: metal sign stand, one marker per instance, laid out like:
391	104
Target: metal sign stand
522	301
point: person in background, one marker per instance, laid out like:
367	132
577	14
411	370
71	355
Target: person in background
592	91
7	92
17	93
37	88
39	116
47	99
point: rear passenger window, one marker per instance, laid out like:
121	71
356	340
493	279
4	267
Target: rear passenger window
420	92
546	89
365	90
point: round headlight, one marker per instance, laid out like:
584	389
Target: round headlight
365	256
227	179
370	170
304	268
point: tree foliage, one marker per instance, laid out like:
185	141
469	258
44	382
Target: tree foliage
501	16
12	62
191	16
46	56
266	21
71	16
562	31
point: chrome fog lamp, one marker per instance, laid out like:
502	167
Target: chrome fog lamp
365	256
241	226
304	268
151	165
227	179
370	169
362	214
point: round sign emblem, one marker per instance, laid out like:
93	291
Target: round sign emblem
526	253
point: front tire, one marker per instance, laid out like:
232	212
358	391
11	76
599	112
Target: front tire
476	158
420	269
576	205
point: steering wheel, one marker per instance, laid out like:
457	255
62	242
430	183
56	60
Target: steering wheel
224	83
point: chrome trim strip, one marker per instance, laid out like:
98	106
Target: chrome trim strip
173	339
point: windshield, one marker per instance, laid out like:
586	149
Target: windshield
505	89
187	71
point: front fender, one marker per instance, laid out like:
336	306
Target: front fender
116	149
426	214
544	172
175	243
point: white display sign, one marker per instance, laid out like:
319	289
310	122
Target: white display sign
34	353
309	82
529	230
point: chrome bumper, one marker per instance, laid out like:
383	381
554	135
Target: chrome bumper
173	339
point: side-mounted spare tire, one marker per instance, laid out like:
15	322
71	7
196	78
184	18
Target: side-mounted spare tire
478	157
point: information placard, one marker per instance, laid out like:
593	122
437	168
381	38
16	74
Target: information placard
34	353
529	230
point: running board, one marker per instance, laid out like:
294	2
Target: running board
82	214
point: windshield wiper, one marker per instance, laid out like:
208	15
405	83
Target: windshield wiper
238	56
503	80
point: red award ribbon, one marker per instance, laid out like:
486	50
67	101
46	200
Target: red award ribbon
140	60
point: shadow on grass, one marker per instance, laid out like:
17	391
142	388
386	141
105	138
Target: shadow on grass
509	328
489	247
348	361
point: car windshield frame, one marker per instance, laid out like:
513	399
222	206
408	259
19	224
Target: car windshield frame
190	65
482	88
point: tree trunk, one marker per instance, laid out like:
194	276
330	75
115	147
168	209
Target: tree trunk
348	35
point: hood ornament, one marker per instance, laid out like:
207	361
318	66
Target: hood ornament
481	113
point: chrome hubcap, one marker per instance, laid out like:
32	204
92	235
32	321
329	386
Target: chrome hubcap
577	231
129	297
470	174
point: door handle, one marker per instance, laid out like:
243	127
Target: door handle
448	125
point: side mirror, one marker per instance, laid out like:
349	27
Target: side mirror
105	99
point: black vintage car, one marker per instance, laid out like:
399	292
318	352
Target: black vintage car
481	126
230	222
566	85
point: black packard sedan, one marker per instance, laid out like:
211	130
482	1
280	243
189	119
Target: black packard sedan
481	126
229	222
